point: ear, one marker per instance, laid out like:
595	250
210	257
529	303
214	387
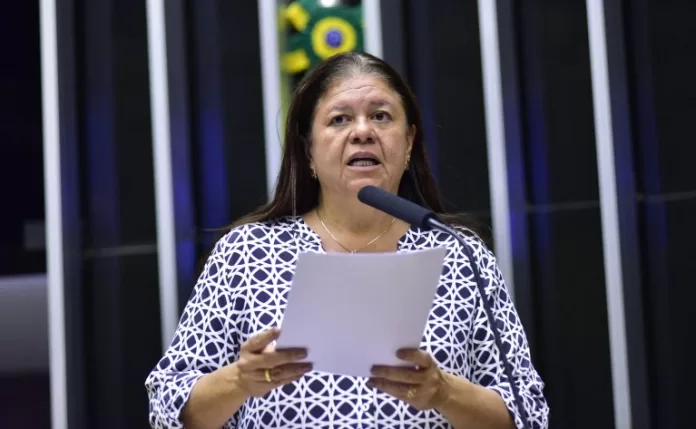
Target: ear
310	160
410	137
308	149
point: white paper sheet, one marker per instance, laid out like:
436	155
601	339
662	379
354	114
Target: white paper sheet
355	311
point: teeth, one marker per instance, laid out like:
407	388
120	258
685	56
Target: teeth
363	162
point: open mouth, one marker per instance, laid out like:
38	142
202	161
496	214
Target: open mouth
363	161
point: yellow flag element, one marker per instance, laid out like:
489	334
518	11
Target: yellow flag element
295	61
333	35
297	16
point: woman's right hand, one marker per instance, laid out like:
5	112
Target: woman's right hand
259	361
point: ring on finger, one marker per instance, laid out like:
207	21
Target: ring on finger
411	393
267	373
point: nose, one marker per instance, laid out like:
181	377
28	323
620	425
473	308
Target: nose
362	132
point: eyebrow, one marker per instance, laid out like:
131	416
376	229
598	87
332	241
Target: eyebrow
372	104
379	103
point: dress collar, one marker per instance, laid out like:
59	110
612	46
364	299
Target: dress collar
309	240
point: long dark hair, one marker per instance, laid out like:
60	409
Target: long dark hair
296	191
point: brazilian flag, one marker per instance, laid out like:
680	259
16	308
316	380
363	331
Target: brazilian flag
319	32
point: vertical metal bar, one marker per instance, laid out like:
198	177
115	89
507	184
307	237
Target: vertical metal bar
627	208
54	218
495	133
270	71
610	212
71	211
180	125
166	238
372	30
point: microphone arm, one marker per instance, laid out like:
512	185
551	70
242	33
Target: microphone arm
436	224
419	216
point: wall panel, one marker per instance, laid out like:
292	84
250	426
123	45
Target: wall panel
565	235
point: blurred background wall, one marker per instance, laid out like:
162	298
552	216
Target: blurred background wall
563	127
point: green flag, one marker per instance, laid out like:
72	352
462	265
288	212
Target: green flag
319	33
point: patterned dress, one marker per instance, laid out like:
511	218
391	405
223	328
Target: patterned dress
243	290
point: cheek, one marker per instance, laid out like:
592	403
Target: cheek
395	144
325	150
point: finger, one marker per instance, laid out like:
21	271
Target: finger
284	381
280	372
396	389
277	358
417	357
258	342
288	373
408	375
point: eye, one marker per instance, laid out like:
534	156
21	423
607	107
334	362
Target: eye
381	116
339	119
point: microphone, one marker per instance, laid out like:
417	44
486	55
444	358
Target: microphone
423	218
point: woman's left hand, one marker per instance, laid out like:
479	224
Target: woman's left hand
423	386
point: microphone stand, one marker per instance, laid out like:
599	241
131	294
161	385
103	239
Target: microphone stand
415	214
436	224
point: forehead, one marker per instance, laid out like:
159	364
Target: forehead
359	88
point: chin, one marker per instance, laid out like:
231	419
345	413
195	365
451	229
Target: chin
357	184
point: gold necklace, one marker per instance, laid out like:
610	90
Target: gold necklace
361	248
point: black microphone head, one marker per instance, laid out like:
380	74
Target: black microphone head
396	206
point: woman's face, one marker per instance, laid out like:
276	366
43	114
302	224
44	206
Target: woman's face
360	136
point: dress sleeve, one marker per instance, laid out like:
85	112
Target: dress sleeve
487	368
200	344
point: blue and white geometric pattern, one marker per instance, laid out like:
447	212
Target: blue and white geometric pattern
243	290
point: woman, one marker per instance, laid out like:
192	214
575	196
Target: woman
353	122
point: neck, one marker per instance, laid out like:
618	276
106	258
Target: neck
348	215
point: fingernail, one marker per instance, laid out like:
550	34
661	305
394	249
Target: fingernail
374	370
401	354
370	383
301	354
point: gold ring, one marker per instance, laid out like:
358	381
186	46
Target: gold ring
268	375
411	393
